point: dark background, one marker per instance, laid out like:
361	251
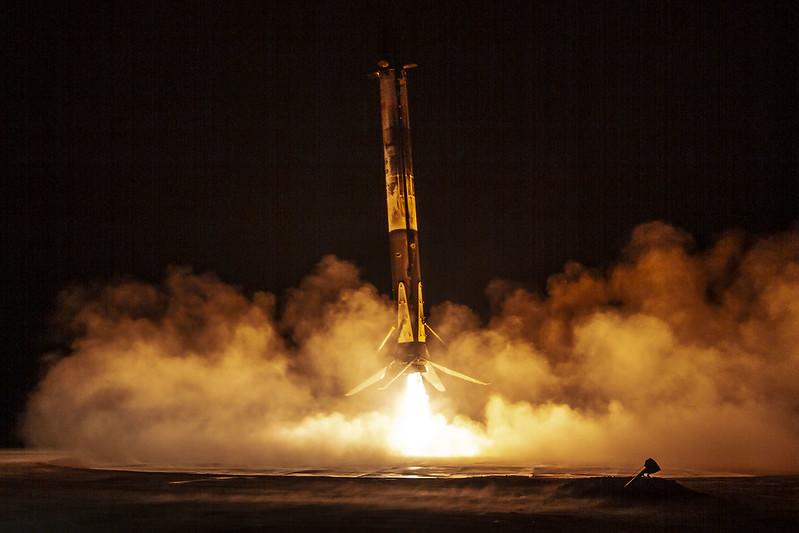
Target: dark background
244	139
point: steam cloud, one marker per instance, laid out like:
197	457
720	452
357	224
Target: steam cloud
691	357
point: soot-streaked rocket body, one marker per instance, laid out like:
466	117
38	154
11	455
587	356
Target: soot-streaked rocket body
410	352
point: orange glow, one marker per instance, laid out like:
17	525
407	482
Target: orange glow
415	432
672	354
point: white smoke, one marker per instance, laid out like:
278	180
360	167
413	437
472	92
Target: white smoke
691	357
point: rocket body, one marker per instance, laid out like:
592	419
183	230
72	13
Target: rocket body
401	209
409	354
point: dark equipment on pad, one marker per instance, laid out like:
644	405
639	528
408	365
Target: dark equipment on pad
650	467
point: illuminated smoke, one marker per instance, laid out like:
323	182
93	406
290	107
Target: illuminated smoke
194	372
690	357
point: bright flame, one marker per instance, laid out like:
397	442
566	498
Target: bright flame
416	432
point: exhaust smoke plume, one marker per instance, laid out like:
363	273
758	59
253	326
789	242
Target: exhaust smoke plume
690	357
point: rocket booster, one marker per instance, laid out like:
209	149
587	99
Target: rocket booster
410	351
403	228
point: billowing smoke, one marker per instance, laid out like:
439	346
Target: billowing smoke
194	372
688	356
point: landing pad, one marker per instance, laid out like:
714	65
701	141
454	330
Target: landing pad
41	492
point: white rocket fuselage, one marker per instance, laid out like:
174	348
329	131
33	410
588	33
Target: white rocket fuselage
410	352
401	209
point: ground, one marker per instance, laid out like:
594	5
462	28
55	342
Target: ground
46	495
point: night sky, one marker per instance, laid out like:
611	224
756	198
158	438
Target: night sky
246	141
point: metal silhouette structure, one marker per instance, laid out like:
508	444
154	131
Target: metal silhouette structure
650	467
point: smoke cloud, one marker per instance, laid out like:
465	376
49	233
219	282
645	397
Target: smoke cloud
688	356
